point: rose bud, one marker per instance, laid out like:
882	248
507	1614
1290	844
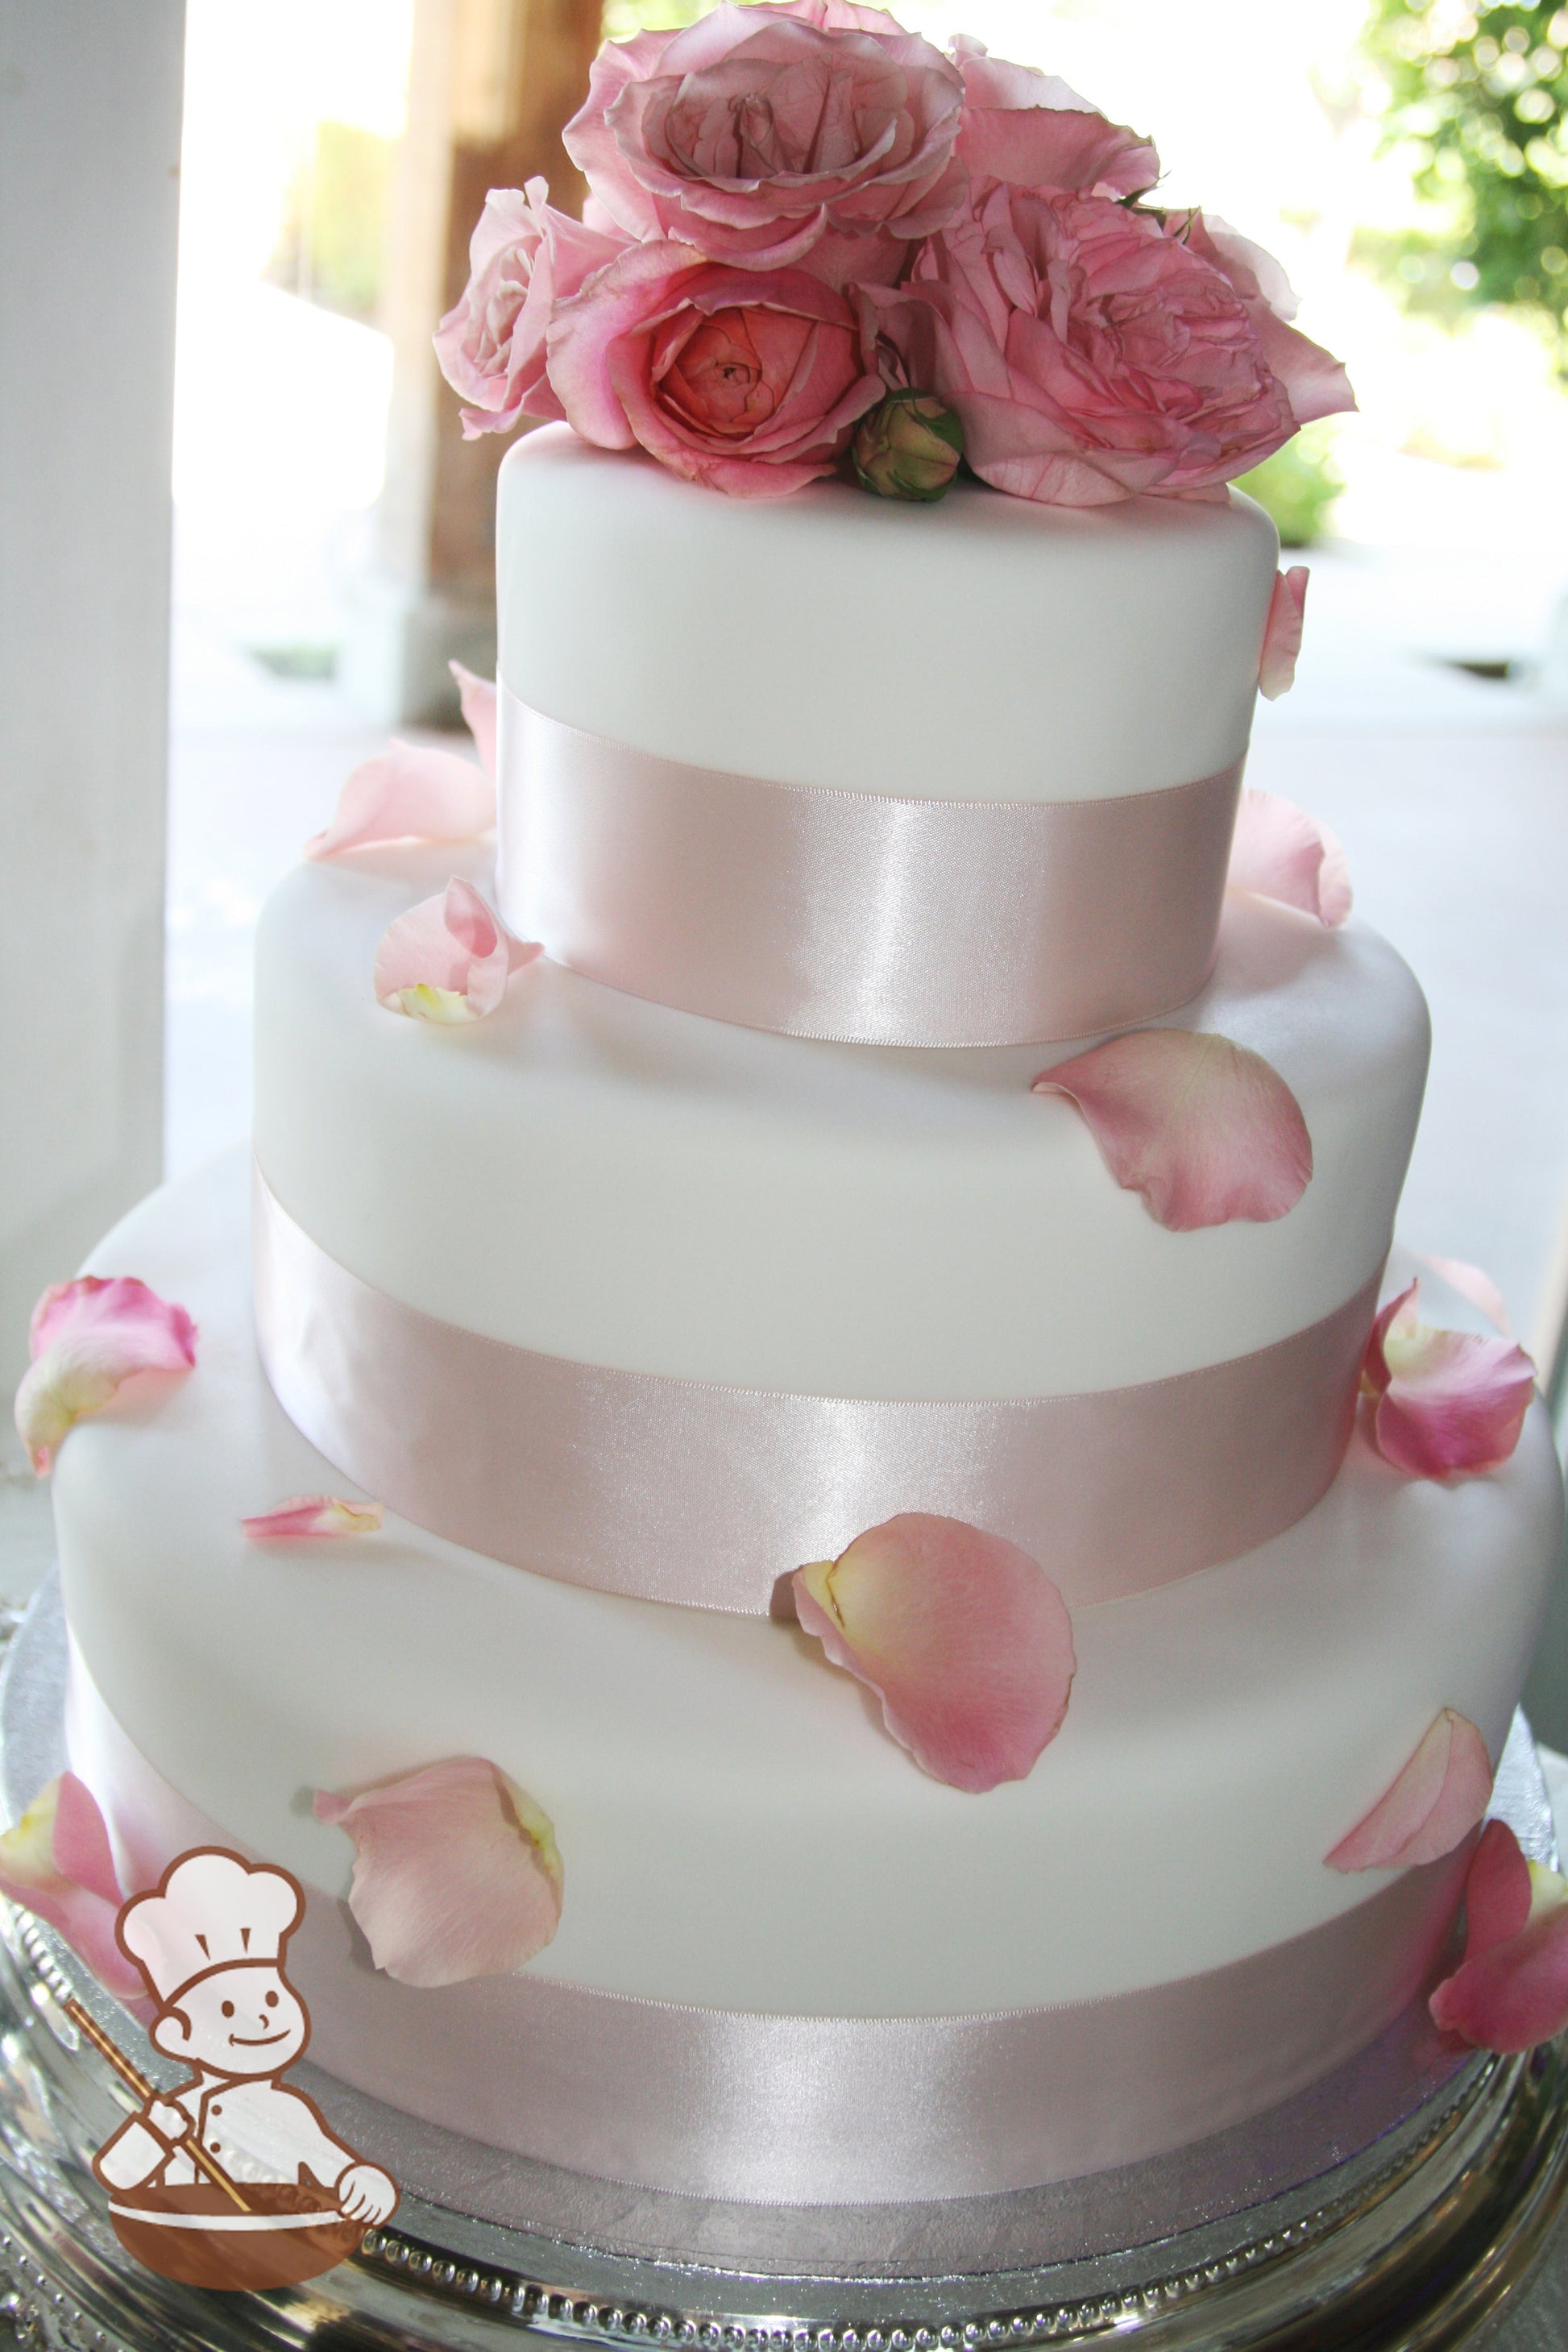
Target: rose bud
908	446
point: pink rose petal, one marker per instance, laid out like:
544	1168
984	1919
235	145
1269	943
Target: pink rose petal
1510	1992
449	958
408	792
1442	1402
1279	852
1282	633
1204	1129
964	1639
87	1337
1438	1797
457	1872
311	1517
478	697
1025	126
1472	1283
57	1863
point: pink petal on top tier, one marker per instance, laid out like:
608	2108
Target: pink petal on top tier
457	1872
479	699
1440	1794
1282	633
1279	852
1025	126
964	1637
311	1519
449	958
57	1863
88	1338
1442	1402
1204	1128
1510	1992
775	137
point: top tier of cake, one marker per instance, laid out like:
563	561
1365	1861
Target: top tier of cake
985	648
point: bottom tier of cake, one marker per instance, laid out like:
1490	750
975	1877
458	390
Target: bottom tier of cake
789	1967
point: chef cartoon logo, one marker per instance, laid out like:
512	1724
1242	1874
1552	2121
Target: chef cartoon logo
230	2178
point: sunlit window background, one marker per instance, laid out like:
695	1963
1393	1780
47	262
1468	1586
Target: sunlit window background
1408	167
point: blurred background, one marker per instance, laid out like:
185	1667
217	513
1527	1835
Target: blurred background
333	534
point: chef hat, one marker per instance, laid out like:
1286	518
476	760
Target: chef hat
212	1911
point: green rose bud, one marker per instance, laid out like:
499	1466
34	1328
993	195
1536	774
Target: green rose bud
908	447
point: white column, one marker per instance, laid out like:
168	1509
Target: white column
89	153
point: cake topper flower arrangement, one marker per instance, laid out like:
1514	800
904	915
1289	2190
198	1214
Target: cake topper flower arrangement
812	240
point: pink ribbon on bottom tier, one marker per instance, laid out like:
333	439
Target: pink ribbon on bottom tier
677	1490
818	2110
853	915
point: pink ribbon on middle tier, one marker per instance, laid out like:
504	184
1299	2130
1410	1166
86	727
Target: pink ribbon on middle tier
858	916
685	1491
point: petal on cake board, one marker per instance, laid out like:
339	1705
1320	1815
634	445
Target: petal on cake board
57	1863
1510	1992
88	1338
408	792
449	958
478	697
1206	1130
310	1517
1442	1402
456	1874
1282	633
1472	1282
963	1638
1438	1797
1279	852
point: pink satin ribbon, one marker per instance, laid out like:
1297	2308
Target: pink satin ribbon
818	2110
856	916
680	1491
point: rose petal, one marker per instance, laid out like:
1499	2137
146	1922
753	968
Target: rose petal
1511	1990
1436	1801
1282	633
449	958
1279	852
1442	1400
88	1336
478	697
964	1637
57	1863
309	1517
457	1872
1473	1284
1204	1129
409	792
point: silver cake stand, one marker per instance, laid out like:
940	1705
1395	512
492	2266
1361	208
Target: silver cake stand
1405	2203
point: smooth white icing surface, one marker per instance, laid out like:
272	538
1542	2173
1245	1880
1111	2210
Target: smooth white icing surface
985	648
603	1179
736	1827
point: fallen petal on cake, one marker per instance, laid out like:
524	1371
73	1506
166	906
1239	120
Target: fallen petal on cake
57	1863
1442	1402
964	1637
449	958
478	697
409	792
1439	1798
1207	1131
1279	852
457	1872
1510	1992
1473	1283
87	1337
311	1517
1282	633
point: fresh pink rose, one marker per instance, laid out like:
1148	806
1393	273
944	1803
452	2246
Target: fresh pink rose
776	135
525	258
1095	351
750	381
1025	126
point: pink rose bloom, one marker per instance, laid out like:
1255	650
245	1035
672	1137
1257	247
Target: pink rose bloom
1094	352
750	381
525	258
773	136
1025	126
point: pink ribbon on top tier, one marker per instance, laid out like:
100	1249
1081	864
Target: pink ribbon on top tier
857	915
687	1491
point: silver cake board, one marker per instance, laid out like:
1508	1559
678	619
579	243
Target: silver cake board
1394	2205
